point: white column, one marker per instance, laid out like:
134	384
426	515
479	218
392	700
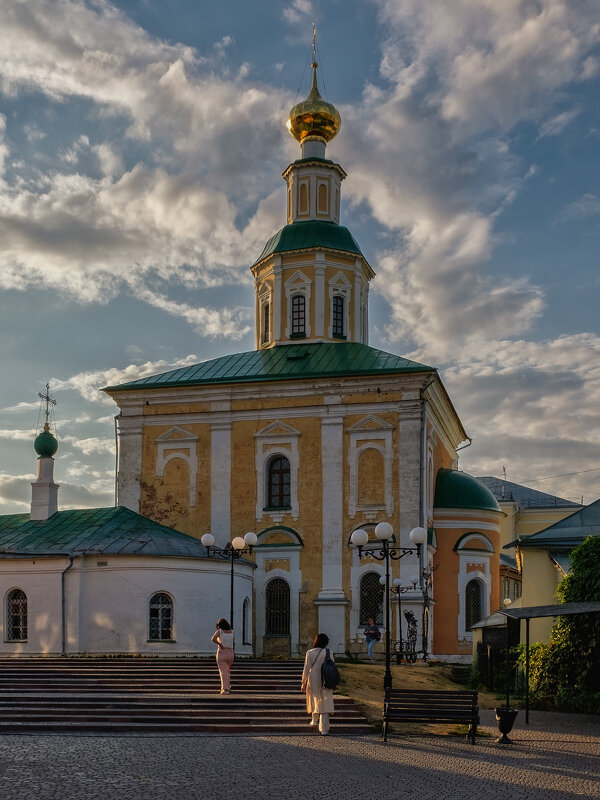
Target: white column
331	600
319	294
220	482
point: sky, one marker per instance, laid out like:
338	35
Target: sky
141	151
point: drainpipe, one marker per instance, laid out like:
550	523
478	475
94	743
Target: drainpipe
117	416
64	610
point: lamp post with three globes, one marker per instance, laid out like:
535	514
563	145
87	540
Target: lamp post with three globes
381	549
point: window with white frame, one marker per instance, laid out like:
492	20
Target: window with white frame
278	482
160	617
371	599
473	603
277	607
16	616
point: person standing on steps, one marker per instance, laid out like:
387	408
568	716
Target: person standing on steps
319	700
372	635
224	639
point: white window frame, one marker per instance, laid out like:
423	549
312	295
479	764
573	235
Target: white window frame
298	283
276	439
168	446
373	433
340	285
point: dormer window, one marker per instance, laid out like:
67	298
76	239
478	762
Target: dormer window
337	312
298	315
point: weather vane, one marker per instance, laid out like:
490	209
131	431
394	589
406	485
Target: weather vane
48	400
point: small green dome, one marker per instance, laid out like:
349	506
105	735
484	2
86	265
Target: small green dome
45	444
454	489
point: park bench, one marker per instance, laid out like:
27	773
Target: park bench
427	705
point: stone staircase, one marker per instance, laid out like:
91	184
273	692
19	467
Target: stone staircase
159	695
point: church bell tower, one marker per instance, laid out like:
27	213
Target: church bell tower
312	280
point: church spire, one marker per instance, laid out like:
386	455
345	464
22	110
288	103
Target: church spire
314	122
44	492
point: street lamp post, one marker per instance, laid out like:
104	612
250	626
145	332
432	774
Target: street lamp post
381	550
238	547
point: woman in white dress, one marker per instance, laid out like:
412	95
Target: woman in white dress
319	700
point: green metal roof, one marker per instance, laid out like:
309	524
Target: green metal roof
284	362
303	235
454	489
567	533
106	531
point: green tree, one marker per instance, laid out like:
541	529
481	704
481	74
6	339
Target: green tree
565	674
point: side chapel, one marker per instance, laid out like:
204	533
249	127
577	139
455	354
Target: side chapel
312	435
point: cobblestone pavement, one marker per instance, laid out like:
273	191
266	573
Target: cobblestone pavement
557	756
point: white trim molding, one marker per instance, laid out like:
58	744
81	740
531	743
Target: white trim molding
474	564
340	285
170	446
299	283
370	433
276	439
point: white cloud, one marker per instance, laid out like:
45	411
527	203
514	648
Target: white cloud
17	435
533	407
555	125
22	406
15	491
588	205
89	384
298	11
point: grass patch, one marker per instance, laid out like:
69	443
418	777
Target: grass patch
364	684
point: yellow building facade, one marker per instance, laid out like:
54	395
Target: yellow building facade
312	435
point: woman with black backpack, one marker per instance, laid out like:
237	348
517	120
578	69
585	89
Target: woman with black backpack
317	680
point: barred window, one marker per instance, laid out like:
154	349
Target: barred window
277	608
278	483
16	616
298	314
473	603
161	617
338	316
371	598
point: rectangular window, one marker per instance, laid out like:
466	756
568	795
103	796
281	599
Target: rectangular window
338	316
298	314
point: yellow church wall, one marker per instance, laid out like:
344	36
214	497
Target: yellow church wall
266	402
166	498
540	581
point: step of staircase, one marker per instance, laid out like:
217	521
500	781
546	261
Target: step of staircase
79	695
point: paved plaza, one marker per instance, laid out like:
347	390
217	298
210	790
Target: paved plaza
557	756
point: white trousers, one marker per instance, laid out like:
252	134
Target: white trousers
322	720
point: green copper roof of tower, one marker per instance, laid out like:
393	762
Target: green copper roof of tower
284	362
454	489
313	233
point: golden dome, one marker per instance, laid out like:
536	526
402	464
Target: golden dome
314	117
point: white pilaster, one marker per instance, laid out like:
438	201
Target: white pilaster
319	294
277	301
130	463
356	333
409	469
332	600
220	482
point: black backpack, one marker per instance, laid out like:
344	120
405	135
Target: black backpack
330	676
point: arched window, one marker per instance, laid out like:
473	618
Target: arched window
277	595
473	603
371	598
278	483
266	327
303	199
161	617
16	616
246	623
337	326
298	314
